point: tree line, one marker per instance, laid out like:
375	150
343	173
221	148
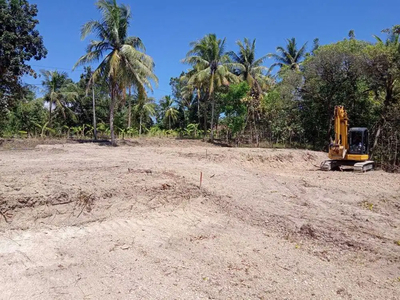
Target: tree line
225	95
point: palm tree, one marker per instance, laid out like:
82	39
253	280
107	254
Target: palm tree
187	98
315	47
52	83
70	94
249	68
352	35
290	56
208	57
145	108
393	40
60	92
189	89
257	76
169	111
124	64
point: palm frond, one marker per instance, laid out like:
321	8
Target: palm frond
300	54
378	39
135	42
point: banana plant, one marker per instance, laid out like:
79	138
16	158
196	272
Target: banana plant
90	129
132	132
68	131
103	128
122	133
77	130
192	129
43	128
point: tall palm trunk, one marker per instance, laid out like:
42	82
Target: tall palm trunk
212	118
376	138
112	106
205	122
50	106
140	124
198	105
212	107
94	116
129	109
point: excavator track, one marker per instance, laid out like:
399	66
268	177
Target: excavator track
347	165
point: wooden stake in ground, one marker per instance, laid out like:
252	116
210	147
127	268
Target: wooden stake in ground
201	179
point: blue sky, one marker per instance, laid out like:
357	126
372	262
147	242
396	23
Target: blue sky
167	27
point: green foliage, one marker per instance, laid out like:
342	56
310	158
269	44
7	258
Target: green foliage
334	76
25	114
19	43
156	131
281	110
192	130
234	108
44	129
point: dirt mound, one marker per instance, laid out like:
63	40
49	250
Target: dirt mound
139	190
27	144
259	158
284	158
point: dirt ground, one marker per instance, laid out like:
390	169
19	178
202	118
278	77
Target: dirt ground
88	221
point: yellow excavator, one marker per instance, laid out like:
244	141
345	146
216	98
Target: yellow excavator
349	151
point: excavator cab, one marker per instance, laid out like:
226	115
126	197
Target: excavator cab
358	141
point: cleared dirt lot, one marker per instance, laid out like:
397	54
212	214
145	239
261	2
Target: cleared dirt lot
84	221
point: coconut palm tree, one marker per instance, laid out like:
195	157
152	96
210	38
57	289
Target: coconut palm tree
289	56
250	69
60	92
393	40
123	61
169	112
208	57
70	94
52	83
145	108
257	76
192	86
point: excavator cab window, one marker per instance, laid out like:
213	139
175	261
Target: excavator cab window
358	141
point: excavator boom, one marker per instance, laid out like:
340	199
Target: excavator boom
338	149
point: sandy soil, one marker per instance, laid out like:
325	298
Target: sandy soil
85	221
